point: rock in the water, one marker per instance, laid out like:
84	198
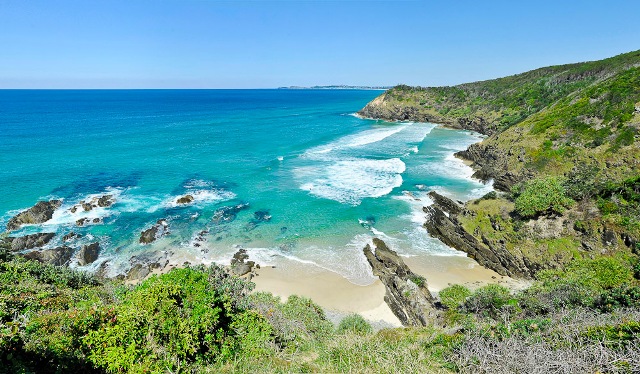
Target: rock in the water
407	293
186	199
106	201
56	256
158	230
29	241
262	215
39	213
82	221
71	236
228	213
88	254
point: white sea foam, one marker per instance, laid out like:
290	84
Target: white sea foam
357	140
350	181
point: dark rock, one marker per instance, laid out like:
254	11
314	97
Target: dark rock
186	199
609	237
445	203
73	209
86	206
39	213
368	222
406	293
97	220
57	256
105	201
238	265
262	215
29	241
82	221
71	236
143	265
88	253
158	230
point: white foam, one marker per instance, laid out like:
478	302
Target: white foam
350	181
201	197
357	140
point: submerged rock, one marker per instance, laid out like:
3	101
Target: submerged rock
186	199
262	215
160	229
57	256
228	213
406	292
88	254
39	213
29	241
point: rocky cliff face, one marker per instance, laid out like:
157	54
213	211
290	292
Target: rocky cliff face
447	228
407	293
39	213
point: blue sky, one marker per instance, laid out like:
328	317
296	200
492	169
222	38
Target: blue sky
212	44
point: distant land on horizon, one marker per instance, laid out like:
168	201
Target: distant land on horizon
335	87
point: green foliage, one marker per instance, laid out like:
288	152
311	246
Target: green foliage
295	322
542	196
355	324
489	300
621	296
175	318
418	280
454	296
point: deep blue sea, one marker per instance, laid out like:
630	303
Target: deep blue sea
329	180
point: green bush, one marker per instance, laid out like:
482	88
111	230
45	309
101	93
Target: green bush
174	319
542	196
489	301
354	324
454	296
623	296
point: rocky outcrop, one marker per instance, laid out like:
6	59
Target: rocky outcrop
88	254
39	213
406	293
71	236
186	199
143	265
29	241
238	265
104	201
86	221
495	256
446	204
57	256
160	229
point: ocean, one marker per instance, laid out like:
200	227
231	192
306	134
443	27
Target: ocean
310	181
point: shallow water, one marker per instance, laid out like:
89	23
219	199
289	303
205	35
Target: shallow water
327	180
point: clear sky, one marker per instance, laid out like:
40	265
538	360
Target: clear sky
212	44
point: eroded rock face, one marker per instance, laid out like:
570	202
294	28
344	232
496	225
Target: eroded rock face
29	241
57	256
445	203
406	293
143	265
160	229
88	254
492	255
39	213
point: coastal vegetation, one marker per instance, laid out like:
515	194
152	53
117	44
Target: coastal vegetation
52	319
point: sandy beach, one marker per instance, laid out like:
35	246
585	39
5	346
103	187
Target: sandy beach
339	296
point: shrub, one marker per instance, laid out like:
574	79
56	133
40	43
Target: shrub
174	319
489	300
623	296
454	296
542	196
354	323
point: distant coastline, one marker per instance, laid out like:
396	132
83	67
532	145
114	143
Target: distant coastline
336	87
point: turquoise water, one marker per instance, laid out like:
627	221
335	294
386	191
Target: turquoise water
329	181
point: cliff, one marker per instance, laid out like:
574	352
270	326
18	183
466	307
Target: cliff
574	126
